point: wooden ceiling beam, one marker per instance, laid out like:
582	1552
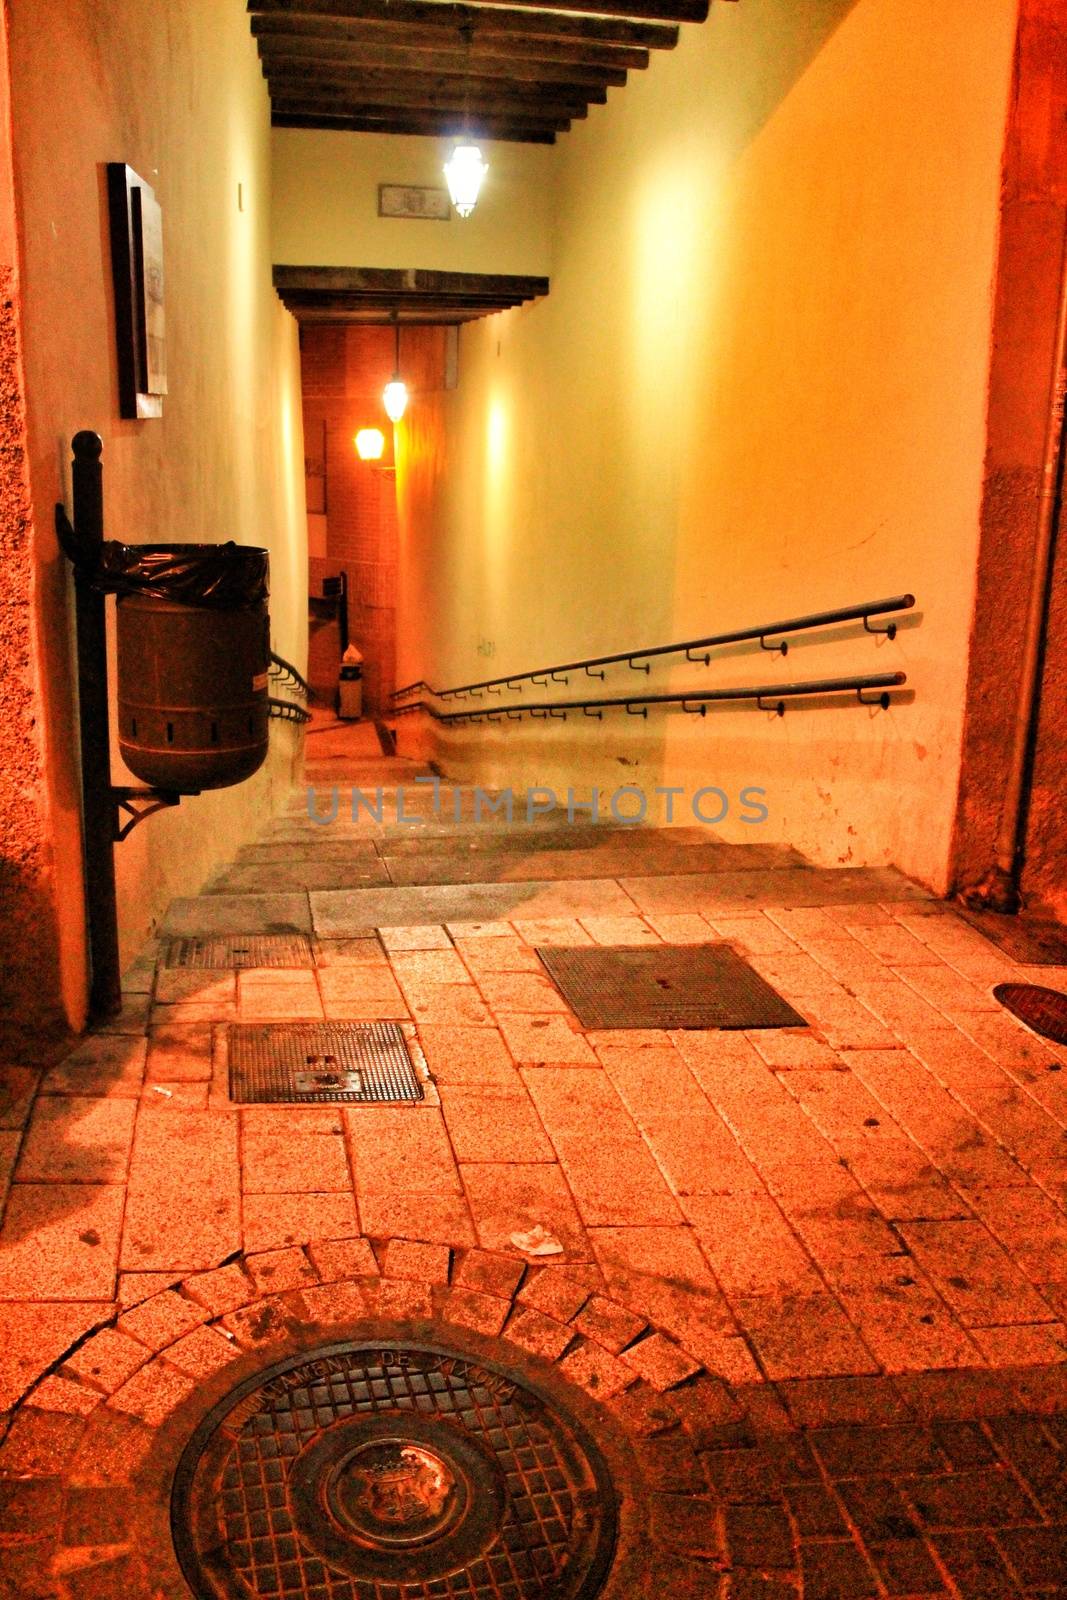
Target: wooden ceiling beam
375	295
278	34
447	20
427	93
459	118
329	62
509	131
627	10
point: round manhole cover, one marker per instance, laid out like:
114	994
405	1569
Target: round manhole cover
1044	1010
391	1472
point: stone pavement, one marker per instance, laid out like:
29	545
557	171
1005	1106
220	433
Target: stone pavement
854	1209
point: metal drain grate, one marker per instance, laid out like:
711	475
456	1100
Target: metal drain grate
668	986
1043	1010
392	1472
242	950
1031	941
316	1063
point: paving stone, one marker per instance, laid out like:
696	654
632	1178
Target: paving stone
975	1565
277	1271
202	1353
599	1374
153	1393
759	1536
419	1262
56	1393
162	1319
180	1052
222	1289
404	1151
60	1241
486	1313
33	1336
834	1571
541	1335
544	1040
333	1303
973	1498
342	1258
489	1273
273	1220
907	1568
555	1292
507	1198
661	1363
403	1301
608	1325
103	1066
490	1124
77	1140
18	1086
438	1218
183	1202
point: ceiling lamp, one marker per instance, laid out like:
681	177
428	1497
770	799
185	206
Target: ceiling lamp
465	170
370	442
464	174
395	393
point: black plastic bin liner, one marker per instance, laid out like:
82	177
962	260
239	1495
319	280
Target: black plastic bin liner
231	577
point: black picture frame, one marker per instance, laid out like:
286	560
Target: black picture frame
136	232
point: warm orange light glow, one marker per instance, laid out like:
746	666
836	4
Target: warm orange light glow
370	442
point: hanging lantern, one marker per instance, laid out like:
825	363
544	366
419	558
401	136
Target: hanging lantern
395	399
395	393
465	173
370	442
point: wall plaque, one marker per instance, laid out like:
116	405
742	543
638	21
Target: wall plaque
413	201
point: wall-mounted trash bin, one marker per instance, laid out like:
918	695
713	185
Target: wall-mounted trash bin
193	655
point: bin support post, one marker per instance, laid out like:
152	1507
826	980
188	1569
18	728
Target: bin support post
98	800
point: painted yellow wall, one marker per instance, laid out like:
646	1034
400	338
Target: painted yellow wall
176	92
326	204
756	389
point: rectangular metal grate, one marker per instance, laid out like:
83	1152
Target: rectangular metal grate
665	986
227	951
1032	941
316	1063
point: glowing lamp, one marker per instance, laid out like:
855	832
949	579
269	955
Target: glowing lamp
370	442
464	173
395	399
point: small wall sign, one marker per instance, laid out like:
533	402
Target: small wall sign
136	227
414	202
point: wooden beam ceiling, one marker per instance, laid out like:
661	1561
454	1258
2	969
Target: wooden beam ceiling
375	295
522	71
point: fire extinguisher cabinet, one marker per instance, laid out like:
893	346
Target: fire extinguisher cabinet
193	658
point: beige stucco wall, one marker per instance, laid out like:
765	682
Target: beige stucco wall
326	204
176	92
756	389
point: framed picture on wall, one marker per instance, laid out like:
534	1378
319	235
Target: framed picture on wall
414	202
136	228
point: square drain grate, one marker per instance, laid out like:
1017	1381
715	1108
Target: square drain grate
317	1063
666	986
226	951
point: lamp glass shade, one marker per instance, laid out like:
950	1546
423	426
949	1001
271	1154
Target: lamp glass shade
395	399
370	442
464	173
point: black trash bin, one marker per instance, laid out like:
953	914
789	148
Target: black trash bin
193	656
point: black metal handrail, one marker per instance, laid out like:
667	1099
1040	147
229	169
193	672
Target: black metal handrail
638	660
284	670
287	710
768	697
